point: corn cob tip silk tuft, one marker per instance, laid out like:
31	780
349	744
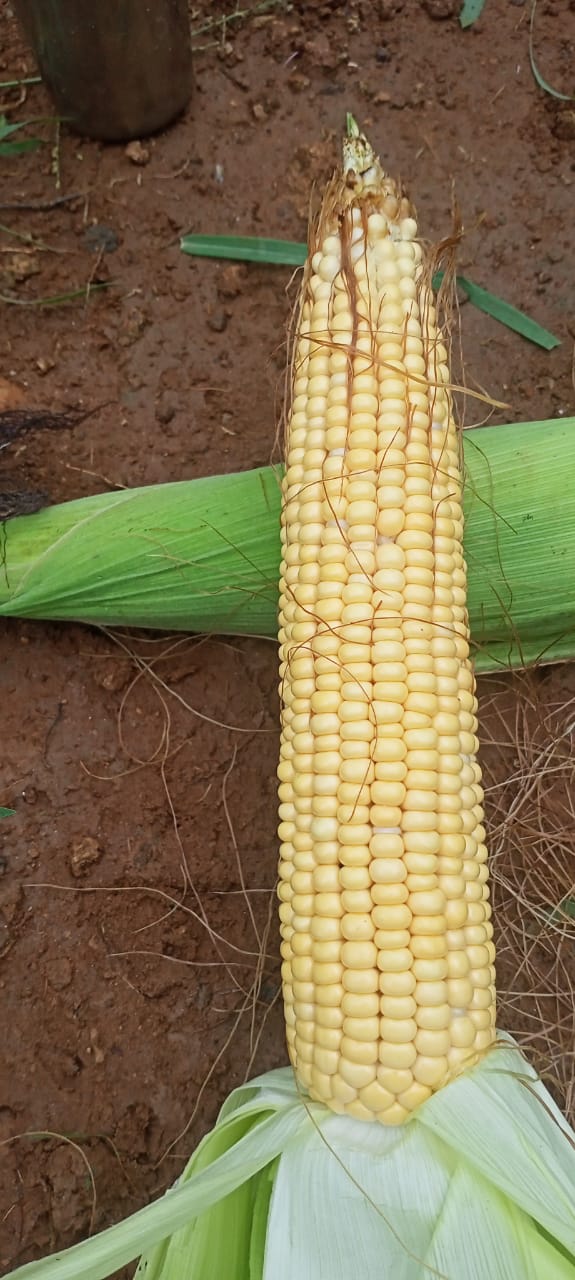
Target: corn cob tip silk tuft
409	1139
387	940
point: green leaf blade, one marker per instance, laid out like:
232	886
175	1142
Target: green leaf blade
19	148
508	315
538	76
287	253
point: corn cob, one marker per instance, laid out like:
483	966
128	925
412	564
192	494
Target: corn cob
387	951
385	920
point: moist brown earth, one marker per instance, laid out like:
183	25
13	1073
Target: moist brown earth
142	771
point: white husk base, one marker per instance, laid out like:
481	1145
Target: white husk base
478	1185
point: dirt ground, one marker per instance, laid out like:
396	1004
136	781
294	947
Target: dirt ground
132	994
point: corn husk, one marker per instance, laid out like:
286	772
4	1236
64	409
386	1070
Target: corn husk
203	555
479	1184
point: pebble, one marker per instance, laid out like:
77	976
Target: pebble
440	9
217	320
116	676
101	238
59	973
20	266
12	396
232	280
137	153
84	853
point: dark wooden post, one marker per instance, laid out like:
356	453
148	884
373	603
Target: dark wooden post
116	69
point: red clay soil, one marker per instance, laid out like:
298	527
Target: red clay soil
129	951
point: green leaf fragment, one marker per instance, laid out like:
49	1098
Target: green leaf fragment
246	249
508	315
260	1215
6	813
541	81
16	147
6	129
471	10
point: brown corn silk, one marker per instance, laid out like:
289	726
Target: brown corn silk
387	950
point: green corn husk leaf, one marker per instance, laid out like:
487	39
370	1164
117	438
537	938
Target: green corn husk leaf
203	555
195	555
479	1184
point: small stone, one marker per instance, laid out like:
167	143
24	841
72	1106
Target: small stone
380	98
165	410
132	327
69	1198
137	153
563	126
95	1048
101	239
322	52
10	902
232	280
440	9
383	55
259	112
131	1132
44	364
217	320
85	852
20	266
299	83
116	676
11	395
387	9
59	973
